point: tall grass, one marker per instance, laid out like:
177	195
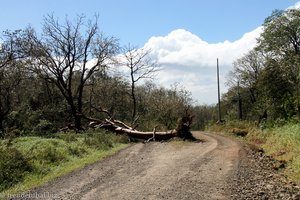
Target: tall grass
27	162
282	142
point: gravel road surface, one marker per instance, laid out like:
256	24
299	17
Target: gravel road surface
215	168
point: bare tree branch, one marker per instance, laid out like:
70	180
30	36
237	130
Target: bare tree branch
64	52
141	66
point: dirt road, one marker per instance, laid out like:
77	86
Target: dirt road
167	170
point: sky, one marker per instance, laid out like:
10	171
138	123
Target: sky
186	36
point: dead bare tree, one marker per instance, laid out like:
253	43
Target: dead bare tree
140	66
68	54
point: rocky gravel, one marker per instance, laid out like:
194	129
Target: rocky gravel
260	177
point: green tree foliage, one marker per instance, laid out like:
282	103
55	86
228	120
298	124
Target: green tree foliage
203	114
280	41
10	72
245	86
269	74
161	106
108	93
247	71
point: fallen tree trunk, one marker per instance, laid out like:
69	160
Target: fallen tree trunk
111	126
182	130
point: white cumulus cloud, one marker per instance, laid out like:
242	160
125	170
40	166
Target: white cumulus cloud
188	60
296	6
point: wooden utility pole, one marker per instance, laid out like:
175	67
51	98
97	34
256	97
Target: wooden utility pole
219	99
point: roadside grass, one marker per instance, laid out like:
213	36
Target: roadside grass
29	162
281	142
284	144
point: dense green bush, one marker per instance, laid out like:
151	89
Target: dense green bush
44	127
49	151
99	140
26	160
77	150
103	140
13	167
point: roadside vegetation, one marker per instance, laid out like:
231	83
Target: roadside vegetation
281	142
58	78
52	80
31	161
263	100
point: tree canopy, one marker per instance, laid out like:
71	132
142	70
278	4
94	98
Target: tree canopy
52	78
269	74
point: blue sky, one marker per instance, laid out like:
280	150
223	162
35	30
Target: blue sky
186	36
135	21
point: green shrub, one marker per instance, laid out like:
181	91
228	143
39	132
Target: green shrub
76	150
13	167
99	140
46	155
70	137
44	127
48	151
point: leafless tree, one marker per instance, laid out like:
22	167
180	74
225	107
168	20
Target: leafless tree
68	54
141	66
